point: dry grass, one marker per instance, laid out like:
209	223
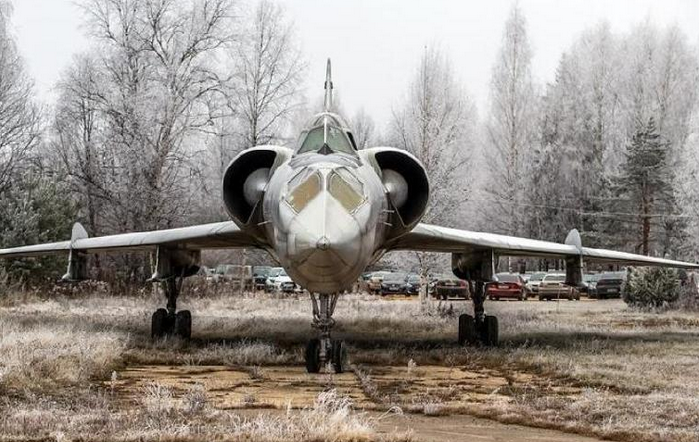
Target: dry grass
627	375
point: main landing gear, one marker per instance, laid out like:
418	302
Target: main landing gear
170	322
323	349
479	328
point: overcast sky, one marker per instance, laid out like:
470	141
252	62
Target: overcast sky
375	45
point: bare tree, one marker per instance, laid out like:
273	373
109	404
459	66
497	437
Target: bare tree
436	124
79	140
19	115
363	129
269	69
511	126
157	57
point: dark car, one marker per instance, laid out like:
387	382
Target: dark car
506	285
448	286
589	284
610	285
412	284
393	283
259	276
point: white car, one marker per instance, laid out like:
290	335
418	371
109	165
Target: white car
279	281
534	282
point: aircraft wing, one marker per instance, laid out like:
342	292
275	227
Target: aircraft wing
204	236
431	238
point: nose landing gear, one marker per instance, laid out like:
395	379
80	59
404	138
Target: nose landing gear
323	349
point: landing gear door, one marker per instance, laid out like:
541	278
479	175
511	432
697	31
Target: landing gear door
477	265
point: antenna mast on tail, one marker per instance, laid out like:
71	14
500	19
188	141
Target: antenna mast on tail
328	103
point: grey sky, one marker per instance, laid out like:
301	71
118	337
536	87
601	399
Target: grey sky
376	44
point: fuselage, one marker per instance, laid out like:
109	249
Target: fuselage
325	217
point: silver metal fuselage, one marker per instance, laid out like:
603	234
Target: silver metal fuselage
325	247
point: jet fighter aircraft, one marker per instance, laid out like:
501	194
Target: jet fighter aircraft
325	210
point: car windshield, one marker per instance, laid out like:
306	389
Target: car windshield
394	277
591	278
537	277
548	278
414	279
262	271
275	272
613	275
506	277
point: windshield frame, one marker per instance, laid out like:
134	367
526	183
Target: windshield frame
327	123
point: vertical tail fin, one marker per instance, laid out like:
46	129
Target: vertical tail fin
328	103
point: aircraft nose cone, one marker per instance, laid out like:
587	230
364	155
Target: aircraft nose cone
323	243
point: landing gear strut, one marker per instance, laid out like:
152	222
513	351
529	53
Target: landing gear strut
323	349
171	322
479	328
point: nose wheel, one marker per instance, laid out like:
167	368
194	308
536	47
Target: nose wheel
323	350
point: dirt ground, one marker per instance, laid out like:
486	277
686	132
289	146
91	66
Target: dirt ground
565	371
279	388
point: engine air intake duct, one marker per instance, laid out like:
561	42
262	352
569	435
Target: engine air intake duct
244	182
410	207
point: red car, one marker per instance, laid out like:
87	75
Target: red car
506	285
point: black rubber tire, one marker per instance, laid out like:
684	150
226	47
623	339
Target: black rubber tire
467	329
337	356
183	324
313	356
159	323
490	331
445	297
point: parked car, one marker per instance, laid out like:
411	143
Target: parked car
610	285
553	286
448	286
259	276
279	281
374	282
506	285
393	283
412	284
589	284
235	274
532	285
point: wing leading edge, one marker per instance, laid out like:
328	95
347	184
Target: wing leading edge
204	236
431	238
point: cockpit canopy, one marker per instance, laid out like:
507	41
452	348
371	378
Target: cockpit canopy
327	134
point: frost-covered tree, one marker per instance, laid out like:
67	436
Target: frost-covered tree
645	183
19	115
159	75
606	86
79	137
436	123
268	73
363	129
35	209
511	128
